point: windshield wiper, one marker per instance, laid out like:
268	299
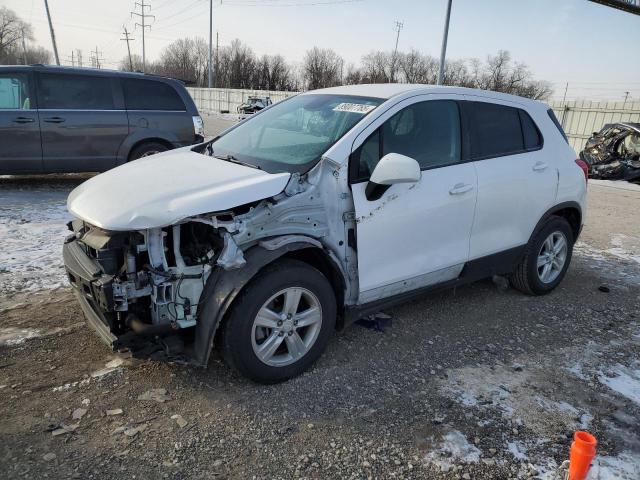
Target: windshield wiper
232	159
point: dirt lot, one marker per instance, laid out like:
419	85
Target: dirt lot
481	382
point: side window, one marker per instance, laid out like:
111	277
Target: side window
530	133
496	130
151	95
15	93
428	132
75	92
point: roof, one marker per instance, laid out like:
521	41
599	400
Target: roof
81	70
389	90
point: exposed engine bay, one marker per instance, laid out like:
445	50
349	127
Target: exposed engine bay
146	286
614	152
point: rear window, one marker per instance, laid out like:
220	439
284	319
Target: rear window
74	92
555	121
151	95
496	130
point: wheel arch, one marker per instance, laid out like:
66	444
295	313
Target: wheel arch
224	286
159	140
570	211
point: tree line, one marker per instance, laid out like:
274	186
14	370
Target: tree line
237	66
16	36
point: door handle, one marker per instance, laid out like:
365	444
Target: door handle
460	188
23	120
539	167
54	120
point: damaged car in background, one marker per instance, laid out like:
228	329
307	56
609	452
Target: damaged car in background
325	207
613	153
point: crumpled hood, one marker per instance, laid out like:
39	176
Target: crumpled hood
163	189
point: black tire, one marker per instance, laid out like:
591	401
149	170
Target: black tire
526	277
236	343
146	149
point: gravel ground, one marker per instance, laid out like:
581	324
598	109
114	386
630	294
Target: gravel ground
480	382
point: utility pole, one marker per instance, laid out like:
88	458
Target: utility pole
143	17
53	35
626	96
443	52
217	50
127	39
79	55
398	26
564	104
24	49
211	43
95	60
73	58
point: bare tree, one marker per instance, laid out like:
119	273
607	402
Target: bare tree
376	67
136	62
12	32
322	68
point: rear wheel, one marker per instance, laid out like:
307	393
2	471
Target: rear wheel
146	149
281	322
546	258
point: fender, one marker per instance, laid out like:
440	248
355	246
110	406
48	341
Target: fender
142	135
223	286
553	210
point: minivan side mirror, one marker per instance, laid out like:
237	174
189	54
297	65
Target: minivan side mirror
391	169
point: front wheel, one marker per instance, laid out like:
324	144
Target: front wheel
146	149
281	322
546	258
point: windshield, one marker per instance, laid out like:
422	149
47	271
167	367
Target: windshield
292	135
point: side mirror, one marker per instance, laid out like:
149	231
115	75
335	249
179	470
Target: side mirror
391	169
595	133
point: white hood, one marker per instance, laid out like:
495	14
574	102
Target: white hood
165	188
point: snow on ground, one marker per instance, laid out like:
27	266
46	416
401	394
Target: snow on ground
453	449
33	219
623	380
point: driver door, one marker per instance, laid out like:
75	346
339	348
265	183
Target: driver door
415	234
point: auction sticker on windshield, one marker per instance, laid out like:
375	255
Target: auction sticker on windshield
354	108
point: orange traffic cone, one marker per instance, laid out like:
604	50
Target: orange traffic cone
583	449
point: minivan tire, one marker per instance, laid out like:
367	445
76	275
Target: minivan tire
526	277
238	337
146	149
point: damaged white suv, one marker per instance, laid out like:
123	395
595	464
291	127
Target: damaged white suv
319	209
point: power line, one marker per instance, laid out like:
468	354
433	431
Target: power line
143	17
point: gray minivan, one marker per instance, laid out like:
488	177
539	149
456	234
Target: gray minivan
62	119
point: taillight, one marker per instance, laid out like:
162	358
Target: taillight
585	168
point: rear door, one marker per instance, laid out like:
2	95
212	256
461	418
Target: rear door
517	183
82	121
20	148
155	109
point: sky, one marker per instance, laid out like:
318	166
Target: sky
592	47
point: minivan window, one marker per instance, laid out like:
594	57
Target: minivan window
428	132
14	92
74	92
151	95
291	136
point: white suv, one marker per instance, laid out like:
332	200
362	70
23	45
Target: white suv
317	210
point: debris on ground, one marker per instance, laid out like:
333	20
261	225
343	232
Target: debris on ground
377	321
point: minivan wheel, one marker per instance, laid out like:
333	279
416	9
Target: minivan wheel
280	323
546	258
146	149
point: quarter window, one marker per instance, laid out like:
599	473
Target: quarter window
75	92
530	132
428	132
151	95
14	92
